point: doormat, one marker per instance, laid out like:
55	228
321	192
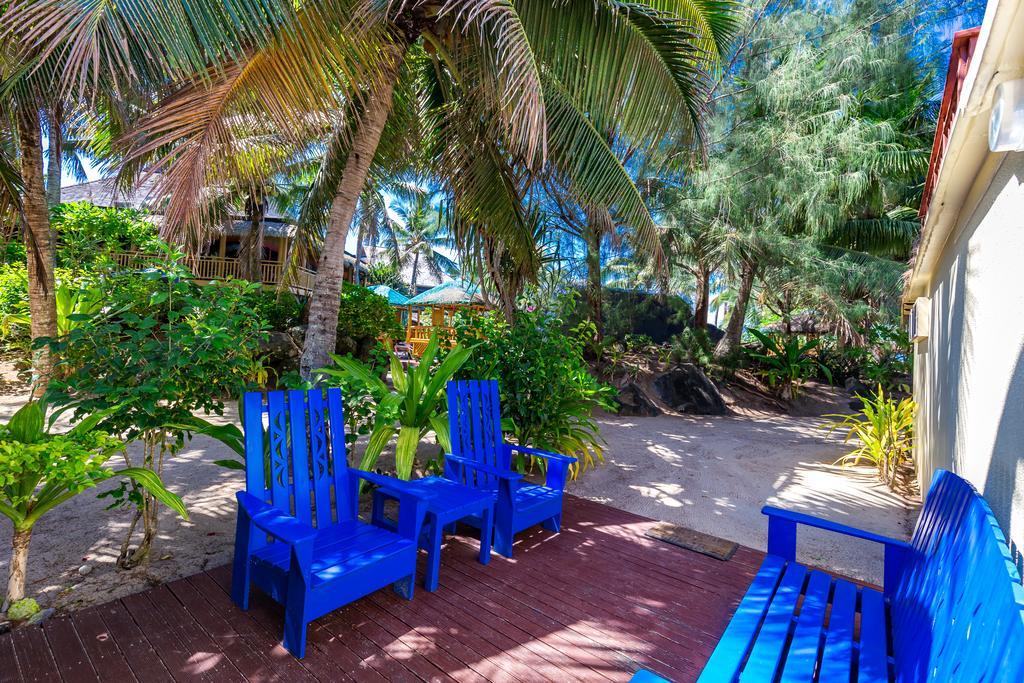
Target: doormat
706	544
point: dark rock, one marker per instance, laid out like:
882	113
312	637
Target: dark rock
688	390
715	334
280	354
633	402
40	616
298	335
5	627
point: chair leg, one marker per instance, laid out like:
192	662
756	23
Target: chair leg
436	536
486	531
553	523
241	571
406	587
295	627
503	534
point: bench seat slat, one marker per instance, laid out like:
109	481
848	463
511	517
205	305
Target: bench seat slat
773	636
803	652
872	660
837	657
732	649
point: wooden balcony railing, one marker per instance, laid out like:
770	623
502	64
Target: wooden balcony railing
217	268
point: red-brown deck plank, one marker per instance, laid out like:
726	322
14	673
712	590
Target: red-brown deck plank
594	603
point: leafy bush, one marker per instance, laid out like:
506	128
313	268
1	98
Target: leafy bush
88	233
786	362
885	429
363	318
639	313
693	345
547	392
13	300
416	406
40	470
158	358
277	309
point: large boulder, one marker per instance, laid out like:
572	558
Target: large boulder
634	402
688	390
280	354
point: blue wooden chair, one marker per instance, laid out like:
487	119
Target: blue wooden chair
481	459
951	608
298	535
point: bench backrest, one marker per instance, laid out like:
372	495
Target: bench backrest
295	454
958	606
474	420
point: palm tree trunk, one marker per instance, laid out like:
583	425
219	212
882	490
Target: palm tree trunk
415	271
251	252
38	246
19	565
54	160
356	275
322	333
703	299
734	329
593	259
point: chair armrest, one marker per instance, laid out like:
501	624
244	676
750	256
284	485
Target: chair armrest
274	522
479	466
411	506
782	539
547	455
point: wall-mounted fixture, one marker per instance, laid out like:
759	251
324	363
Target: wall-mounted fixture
1006	126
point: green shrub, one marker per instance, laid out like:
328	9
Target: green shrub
639	313
277	309
785	361
13	301
693	345
88	233
163	349
884	427
363	318
547	391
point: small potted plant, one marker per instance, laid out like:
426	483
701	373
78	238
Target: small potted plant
39	470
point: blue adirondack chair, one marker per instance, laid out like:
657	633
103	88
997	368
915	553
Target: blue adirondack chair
305	549
481	459
951	608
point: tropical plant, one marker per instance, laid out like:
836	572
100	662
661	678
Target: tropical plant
40	470
786	361
76	303
87	233
365	318
278	310
884	427
162	350
416	406
548	394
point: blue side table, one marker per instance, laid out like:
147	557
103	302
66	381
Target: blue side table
446	502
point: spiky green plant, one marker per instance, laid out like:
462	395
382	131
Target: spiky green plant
786	361
884	429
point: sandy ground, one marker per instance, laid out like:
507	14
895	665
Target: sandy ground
709	474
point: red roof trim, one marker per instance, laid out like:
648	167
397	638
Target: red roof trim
960	58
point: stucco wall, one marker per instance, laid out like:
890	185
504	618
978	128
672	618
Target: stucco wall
969	374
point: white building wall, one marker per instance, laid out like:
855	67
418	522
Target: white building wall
969	373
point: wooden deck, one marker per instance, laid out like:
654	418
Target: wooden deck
594	603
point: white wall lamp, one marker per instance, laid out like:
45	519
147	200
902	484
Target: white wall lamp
1006	126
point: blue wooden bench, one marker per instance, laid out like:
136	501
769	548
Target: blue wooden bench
952	606
298	536
481	459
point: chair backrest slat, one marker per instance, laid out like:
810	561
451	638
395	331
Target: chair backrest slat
296	461
255	475
474	420
957	610
300	454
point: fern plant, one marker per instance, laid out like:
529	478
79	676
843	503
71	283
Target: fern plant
884	429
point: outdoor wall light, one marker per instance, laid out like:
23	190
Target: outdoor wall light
1006	127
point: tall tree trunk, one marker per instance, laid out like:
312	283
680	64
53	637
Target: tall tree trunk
593	259
251	252
54	157
734	329
38	246
322	333
703	299
357	274
19	565
415	272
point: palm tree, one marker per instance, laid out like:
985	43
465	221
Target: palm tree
420	238
503	90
